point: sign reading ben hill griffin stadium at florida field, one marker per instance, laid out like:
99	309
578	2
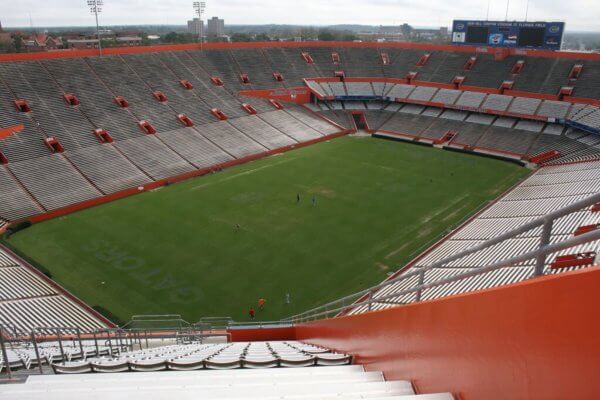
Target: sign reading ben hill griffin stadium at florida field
530	35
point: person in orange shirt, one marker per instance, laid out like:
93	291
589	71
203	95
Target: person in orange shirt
261	303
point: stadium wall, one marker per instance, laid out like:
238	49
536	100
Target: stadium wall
262	334
533	339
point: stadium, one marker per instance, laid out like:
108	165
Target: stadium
401	220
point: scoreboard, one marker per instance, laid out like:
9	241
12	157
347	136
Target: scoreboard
529	35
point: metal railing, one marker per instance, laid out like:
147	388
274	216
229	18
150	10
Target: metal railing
540	254
74	343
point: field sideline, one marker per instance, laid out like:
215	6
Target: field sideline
179	250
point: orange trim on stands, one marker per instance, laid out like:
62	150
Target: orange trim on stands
300	45
262	334
6	132
302	94
533	339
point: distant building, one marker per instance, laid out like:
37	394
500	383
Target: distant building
5	37
82	43
54	43
129	41
215	27
430	34
196	27
35	43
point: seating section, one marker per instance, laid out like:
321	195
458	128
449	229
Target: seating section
507	136
107	168
547	190
291	126
262	132
360	89
82	167
53	181
343	382
209	356
28	301
195	148
23	356
15	201
588	115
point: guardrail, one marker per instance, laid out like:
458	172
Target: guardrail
259	324
113	340
366	297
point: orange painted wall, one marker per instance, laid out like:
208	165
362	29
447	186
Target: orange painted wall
6	132
281	94
533	340
262	334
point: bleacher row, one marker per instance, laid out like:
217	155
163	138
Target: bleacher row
588	115
208	356
469	100
159	88
547	190
28	302
100	355
514	137
23	356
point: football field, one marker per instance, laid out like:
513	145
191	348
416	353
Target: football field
213	245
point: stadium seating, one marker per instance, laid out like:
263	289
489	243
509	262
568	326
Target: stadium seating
290	64
291	126
28	301
208	356
253	62
361	62
262	132
589	116
360	89
53	181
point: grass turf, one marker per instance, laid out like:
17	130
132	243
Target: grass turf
177	249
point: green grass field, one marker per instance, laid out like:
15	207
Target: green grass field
177	249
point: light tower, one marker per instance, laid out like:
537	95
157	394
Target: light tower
199	7
96	8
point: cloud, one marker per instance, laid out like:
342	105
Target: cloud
579	14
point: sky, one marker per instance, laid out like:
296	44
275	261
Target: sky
580	15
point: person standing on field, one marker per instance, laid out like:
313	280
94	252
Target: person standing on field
251	312
261	303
